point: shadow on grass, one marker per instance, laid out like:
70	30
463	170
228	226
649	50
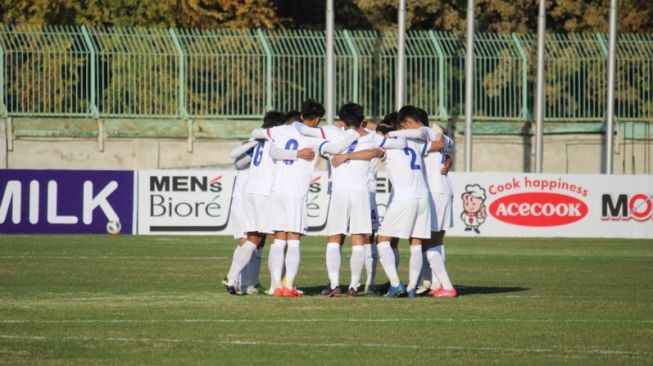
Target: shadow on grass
487	290
463	290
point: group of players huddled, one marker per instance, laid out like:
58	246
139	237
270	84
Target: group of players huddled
270	196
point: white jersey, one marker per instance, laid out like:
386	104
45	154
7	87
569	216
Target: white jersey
374	169
292	177
433	164
259	179
404	168
354	175
331	133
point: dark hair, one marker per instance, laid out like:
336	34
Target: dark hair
351	114
273	118
415	113
312	109
389	123
293	116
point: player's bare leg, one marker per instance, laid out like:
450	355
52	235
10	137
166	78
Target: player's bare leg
333	261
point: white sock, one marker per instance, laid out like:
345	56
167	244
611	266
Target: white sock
426	272
333	260
356	264
231	268
414	266
275	262
371	259
437	266
441	250
395	251
387	259
240	260
292	262
255	264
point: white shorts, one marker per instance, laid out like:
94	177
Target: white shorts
256	209
349	213
374	213
288	213
237	218
441	212
407	219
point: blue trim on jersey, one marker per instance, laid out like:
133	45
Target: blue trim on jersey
383	142
319	149
426	144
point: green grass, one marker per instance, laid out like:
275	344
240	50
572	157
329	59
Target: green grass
158	300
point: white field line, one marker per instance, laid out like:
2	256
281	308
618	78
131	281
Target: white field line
122	257
342	320
590	351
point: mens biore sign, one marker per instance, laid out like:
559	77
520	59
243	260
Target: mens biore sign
184	201
65	201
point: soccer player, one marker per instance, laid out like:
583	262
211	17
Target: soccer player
349	208
256	203
290	189
248	283
440	195
408	215
349	204
371	252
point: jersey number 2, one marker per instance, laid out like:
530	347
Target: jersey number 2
292	144
413	158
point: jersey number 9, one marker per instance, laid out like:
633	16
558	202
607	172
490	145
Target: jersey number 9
292	144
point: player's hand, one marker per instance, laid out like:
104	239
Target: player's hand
379	152
446	166
306	154
339	159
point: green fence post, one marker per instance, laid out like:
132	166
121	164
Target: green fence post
355	71
93	61
442	109
268	66
181	110
3	108
524	58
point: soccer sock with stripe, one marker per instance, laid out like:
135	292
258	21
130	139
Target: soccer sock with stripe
414	265
333	260
356	264
240	260
371	258
437	266
292	262
275	262
387	259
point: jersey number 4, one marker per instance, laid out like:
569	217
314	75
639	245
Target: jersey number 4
413	158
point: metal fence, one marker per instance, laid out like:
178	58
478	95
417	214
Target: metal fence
239	74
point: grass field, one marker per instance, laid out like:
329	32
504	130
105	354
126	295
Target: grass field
158	300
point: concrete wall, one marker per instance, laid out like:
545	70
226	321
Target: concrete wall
573	153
